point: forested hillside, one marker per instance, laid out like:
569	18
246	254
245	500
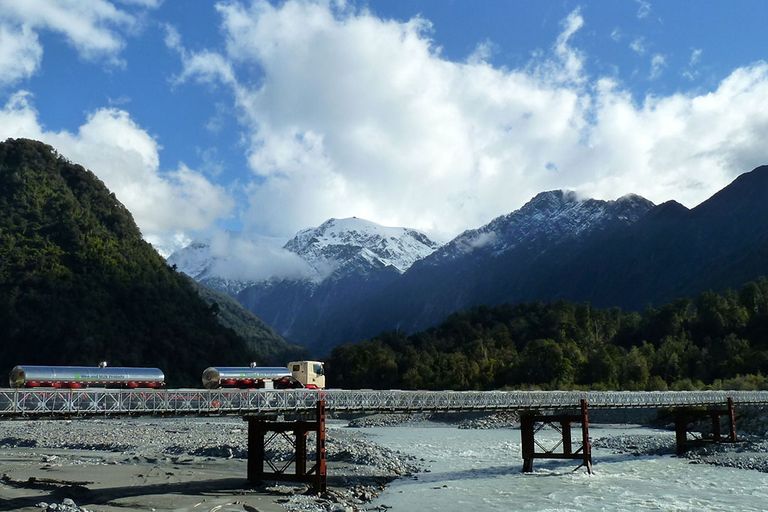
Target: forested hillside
718	340
79	285
271	348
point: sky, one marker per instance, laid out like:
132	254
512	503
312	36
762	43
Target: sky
263	118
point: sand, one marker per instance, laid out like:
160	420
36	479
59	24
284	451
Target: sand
164	464
99	481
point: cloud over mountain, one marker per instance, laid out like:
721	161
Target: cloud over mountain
350	114
331	110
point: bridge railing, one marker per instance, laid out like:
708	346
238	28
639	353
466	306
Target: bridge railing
531	400
105	402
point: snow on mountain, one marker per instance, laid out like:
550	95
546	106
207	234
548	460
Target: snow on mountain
195	260
341	247
338	246
549	216
353	243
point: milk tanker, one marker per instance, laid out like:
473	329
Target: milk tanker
298	374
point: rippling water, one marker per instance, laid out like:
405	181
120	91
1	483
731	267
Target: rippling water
480	470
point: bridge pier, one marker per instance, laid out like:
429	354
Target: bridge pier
683	417
561	423
261	432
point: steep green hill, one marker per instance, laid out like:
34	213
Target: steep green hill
78	284
271	348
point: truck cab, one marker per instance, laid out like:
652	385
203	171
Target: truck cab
310	373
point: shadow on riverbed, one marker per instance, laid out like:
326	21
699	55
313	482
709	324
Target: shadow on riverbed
104	496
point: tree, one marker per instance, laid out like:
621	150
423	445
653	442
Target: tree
543	362
634	370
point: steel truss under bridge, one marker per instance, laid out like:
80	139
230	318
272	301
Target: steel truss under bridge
191	402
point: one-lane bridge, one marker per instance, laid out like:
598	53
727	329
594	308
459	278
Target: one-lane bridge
261	408
185	402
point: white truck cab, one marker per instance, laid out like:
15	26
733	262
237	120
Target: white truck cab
310	373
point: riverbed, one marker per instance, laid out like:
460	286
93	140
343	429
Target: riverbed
480	470
194	464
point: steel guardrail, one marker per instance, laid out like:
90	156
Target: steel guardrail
191	402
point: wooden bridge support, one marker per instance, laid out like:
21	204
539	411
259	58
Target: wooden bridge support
261	432
684	417
561	423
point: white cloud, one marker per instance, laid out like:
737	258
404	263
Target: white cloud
94	28
643	9
681	146
172	37
150	4
165	205
638	45
479	241
205	66
658	63
691	72
695	56
89	26
483	52
571	59
355	115
20	53
208	67
256	259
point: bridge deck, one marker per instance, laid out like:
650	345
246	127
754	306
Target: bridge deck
106	402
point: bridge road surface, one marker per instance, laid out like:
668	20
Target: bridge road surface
52	403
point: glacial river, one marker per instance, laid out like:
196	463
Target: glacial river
480	470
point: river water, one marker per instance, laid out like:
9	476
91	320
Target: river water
480	470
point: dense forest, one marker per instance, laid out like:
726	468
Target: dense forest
714	340
268	346
78	284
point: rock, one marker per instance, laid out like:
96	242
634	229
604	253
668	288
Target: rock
492	421
655	444
387	420
281	489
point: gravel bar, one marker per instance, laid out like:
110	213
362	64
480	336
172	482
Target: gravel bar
360	468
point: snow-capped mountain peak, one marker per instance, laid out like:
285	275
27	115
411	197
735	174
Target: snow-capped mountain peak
551	215
338	243
195	260
336	247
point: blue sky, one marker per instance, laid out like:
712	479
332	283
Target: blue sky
267	118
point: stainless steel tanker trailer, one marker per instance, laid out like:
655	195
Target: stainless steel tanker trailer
27	376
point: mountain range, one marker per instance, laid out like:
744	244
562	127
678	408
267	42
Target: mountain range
627	253
346	260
